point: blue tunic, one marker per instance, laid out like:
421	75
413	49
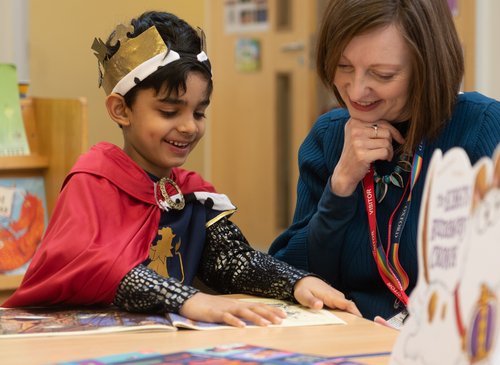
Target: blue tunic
177	249
329	234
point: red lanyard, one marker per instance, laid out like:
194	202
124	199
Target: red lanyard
387	261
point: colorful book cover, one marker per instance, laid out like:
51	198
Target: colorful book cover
234	354
15	322
23	218
13	139
126	358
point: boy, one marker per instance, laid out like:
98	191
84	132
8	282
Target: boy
133	229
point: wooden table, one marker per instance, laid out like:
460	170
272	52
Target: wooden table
359	336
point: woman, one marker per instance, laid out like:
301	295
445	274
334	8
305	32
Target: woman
395	68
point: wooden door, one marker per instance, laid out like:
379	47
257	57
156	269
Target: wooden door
464	14
261	108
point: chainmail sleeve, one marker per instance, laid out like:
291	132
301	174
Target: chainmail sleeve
144	290
230	265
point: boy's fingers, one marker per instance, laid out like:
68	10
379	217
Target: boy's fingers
309	299
232	320
268	314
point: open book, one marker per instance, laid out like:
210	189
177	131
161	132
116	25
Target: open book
16	322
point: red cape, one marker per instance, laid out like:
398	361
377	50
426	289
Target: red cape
105	218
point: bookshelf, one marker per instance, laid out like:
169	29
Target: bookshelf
57	134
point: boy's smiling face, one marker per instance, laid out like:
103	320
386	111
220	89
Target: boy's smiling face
162	130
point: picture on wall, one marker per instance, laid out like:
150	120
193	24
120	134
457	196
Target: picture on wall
247	55
246	16
453	4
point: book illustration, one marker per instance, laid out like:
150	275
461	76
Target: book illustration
298	315
13	140
16	322
234	354
23	218
455	303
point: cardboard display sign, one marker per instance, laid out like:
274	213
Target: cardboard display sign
454	308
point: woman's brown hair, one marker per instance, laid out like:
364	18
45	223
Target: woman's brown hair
437	60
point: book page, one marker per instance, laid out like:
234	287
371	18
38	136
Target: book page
186	323
297	315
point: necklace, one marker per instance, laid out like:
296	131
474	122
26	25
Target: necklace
394	178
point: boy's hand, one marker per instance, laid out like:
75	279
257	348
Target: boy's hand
314	293
213	308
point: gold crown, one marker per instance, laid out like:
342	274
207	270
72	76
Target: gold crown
132	53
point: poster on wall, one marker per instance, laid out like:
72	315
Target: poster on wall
247	55
241	16
453	4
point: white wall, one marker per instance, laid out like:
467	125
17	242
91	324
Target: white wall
488	48
14	35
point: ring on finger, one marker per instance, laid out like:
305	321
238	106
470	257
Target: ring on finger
375	128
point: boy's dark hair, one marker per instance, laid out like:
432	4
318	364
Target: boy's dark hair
179	36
